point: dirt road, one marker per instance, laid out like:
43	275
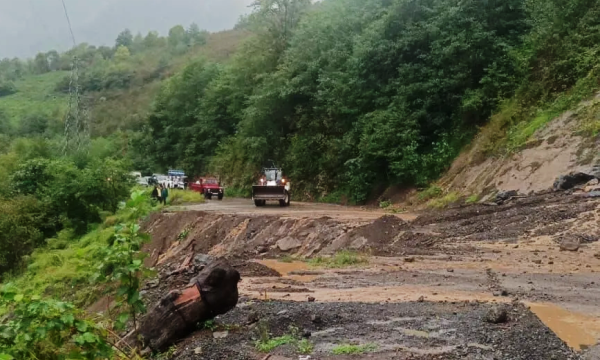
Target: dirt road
425	289
295	210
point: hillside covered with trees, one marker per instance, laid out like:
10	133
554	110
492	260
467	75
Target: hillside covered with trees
350	95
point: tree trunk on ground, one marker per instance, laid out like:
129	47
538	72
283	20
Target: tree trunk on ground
213	292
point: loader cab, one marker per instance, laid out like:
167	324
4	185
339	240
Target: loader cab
272	177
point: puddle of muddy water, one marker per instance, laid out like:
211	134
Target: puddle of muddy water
578	331
285	268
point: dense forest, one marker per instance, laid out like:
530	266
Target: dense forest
348	96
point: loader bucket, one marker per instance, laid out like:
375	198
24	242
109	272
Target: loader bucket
268	192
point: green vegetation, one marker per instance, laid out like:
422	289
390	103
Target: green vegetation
267	344
348	349
443	202
432	192
347	96
68	270
181	197
385	204
341	259
287	259
472	199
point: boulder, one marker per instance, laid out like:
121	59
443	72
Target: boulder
497	315
502	196
288	243
571	243
567	182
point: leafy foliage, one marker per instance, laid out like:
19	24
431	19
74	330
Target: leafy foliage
47	329
122	264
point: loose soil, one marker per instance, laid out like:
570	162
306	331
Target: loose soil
423	294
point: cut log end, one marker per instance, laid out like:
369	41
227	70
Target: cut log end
213	292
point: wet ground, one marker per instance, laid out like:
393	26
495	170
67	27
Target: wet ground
426	287
296	210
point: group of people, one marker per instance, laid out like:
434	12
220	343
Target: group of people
160	193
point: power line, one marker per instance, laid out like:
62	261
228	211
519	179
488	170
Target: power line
69	22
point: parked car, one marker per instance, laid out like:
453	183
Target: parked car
209	187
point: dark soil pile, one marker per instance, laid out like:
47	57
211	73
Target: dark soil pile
423	331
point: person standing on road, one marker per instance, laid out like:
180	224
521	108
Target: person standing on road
164	195
155	194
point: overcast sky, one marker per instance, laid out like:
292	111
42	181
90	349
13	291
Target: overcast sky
30	26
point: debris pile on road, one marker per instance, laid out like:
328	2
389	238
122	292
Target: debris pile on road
574	180
213	292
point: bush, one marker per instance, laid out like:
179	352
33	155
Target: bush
74	197
7	88
432	192
443	202
21	230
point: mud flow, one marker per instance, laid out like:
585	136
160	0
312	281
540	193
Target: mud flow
514	281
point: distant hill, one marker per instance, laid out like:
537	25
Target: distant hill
28	27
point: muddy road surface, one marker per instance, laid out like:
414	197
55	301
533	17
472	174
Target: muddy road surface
295	210
365	284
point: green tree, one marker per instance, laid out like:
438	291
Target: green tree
40	64
53	60
177	36
125	38
20	224
32	125
122	54
153	40
194	36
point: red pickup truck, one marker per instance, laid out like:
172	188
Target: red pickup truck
209	187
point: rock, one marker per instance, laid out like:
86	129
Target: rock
306	334
597	256
450	270
252	318
152	284
567	182
201	260
502	196
537	261
288	243
262	249
504	293
409	259
421	299
593	194
311	299
316	319
198	350
220	334
570	244
497	315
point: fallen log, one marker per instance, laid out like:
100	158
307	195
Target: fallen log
213	292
